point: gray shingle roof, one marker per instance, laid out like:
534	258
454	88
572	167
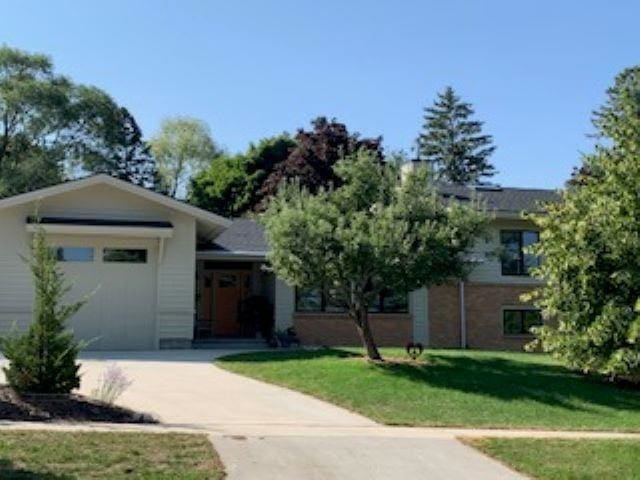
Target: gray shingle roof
243	235
503	199
247	236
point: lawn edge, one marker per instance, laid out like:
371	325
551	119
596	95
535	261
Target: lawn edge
217	363
475	442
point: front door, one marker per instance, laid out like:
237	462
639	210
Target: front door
229	289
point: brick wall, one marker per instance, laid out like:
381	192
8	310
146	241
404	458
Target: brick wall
335	329
444	316
483	305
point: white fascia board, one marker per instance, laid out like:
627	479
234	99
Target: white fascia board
113	231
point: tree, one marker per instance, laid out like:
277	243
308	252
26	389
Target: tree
224	188
590	242
370	234
453	144
231	185
316	152
34	121
47	123
182	148
121	152
44	359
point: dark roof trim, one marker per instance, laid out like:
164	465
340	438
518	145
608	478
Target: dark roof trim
97	222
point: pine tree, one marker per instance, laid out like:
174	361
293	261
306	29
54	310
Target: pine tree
121	152
453	144
43	360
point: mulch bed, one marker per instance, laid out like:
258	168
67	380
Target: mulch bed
63	408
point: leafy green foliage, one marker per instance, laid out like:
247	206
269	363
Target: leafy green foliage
182	148
231	185
371	233
43	360
590	242
48	123
224	188
453	144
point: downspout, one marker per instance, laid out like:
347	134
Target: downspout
463	317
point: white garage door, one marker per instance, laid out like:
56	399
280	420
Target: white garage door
121	273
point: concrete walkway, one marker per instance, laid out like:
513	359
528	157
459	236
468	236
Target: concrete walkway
266	432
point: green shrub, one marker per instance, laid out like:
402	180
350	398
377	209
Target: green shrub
590	242
43	360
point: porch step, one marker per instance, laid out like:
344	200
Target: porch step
229	344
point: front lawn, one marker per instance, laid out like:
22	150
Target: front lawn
561	459
106	455
450	388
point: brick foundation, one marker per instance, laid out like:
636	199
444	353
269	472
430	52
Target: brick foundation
389	330
483	305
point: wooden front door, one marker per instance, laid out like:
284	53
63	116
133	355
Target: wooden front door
230	287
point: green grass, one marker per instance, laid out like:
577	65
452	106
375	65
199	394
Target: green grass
46	455
555	459
450	388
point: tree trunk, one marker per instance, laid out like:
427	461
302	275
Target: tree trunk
364	330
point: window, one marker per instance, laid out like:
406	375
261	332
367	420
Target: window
74	254
313	300
124	255
308	300
519	322
514	260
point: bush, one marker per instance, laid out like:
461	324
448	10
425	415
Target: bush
590	242
44	359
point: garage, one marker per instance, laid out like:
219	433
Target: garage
118	277
129	250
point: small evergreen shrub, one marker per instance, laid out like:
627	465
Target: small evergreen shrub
43	360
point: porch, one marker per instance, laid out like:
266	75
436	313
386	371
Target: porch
234	301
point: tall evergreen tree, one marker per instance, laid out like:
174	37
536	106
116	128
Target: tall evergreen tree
122	153
453	144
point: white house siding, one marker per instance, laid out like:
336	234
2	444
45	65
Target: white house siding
284	305
173	301
176	284
16	290
489	268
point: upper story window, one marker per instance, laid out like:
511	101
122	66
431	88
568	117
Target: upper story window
74	254
514	260
313	300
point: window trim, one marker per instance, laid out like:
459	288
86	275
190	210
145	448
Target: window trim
521	309
522	270
323	306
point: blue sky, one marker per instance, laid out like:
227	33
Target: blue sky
533	70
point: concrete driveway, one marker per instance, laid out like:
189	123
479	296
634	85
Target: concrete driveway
266	432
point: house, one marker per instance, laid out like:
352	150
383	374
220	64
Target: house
164	274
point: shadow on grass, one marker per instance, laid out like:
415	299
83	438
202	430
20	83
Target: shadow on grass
10	472
286	355
493	375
